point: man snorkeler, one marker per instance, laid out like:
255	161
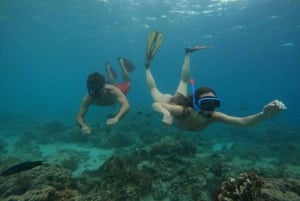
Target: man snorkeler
102	94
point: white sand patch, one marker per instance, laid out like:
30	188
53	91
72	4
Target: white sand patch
90	158
221	146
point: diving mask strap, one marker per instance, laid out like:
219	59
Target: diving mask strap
192	82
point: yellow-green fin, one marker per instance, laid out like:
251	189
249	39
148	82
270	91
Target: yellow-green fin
154	41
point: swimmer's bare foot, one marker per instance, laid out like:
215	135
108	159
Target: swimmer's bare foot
110	70
195	48
129	66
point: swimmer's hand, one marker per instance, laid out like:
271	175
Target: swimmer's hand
112	121
85	130
272	108
167	119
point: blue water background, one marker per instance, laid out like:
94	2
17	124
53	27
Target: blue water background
48	47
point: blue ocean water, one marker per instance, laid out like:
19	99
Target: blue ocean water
48	48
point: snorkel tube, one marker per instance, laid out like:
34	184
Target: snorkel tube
196	107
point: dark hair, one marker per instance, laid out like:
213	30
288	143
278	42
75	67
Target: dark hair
203	90
95	80
179	99
199	91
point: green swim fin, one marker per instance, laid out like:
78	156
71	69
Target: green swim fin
154	41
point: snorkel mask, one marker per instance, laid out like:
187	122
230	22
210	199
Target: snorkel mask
94	92
95	85
206	103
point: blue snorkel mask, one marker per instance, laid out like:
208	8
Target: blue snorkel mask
206	103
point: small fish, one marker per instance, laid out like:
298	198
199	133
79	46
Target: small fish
21	167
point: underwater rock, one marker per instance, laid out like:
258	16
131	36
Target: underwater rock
26	150
169	146
69	195
166	170
120	139
119	178
216	166
17	186
281	190
70	163
70	159
35	179
121	171
247	187
45	194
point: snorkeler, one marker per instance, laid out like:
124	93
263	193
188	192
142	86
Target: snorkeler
102	94
197	111
154	41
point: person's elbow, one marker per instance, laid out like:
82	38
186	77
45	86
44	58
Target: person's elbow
244	123
156	106
127	106
79	120
78	117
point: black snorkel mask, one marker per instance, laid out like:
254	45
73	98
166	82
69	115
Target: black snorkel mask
206	103
95	92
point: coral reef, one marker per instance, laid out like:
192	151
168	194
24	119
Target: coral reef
141	175
70	163
26	150
216	166
169	146
150	164
247	187
28	183
47	193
